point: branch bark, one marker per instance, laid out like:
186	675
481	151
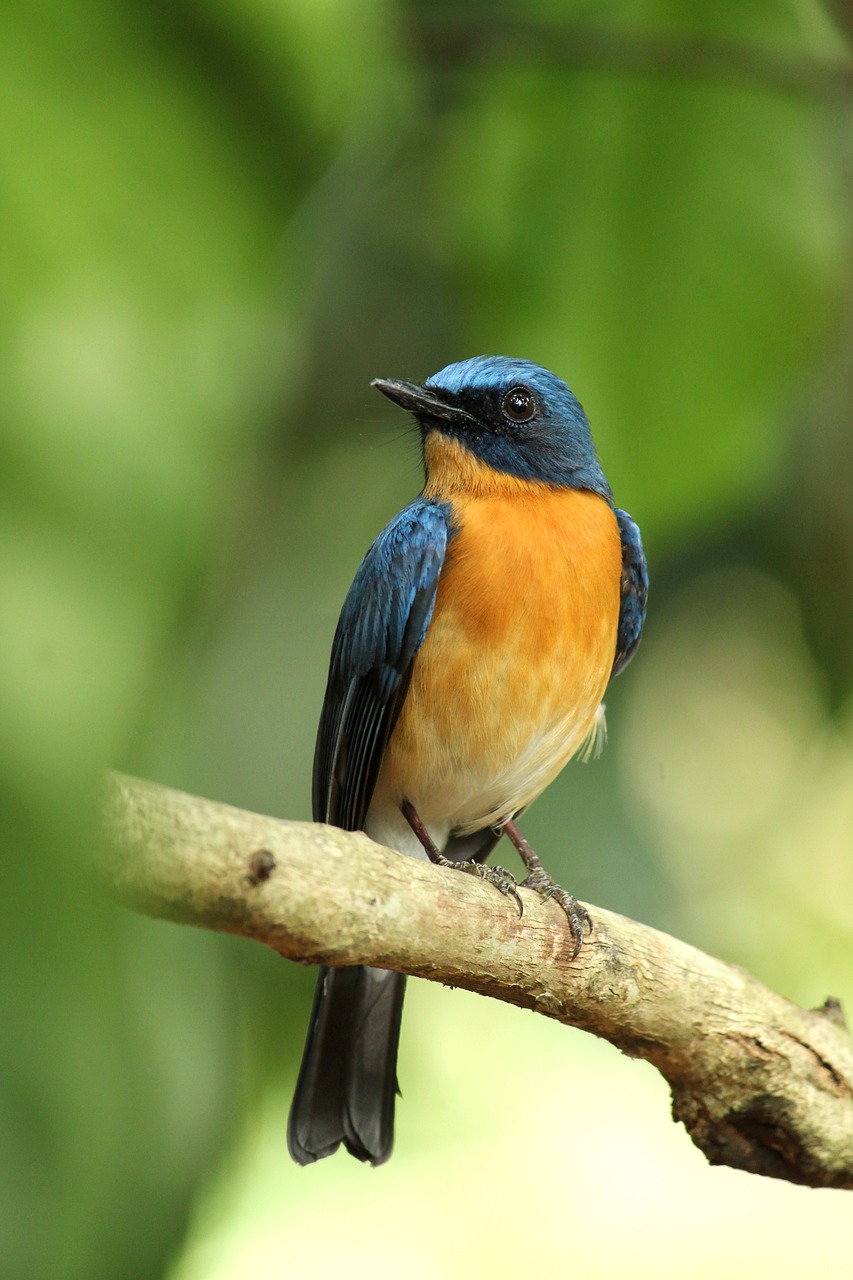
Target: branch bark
759	1083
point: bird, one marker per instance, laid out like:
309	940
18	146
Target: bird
469	664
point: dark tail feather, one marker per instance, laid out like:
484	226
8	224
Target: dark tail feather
348	1079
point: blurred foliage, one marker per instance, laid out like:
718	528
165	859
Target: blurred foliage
219	222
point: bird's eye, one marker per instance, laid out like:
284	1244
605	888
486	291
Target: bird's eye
519	404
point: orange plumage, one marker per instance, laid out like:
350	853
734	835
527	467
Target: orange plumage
508	683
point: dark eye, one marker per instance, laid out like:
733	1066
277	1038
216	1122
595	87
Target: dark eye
519	404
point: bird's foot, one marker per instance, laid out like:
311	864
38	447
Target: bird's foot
580	921
538	879
503	880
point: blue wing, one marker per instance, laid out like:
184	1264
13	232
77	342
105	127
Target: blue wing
635	589
382	625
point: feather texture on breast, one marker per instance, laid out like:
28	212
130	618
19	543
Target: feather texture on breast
509	681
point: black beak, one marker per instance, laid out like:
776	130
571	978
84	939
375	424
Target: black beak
420	401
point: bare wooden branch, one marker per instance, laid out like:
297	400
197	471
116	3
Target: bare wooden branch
759	1083
463	40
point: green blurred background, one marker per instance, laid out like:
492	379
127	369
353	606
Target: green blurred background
220	221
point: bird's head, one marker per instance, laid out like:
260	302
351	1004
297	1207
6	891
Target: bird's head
513	416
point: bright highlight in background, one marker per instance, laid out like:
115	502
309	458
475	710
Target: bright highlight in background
523	1149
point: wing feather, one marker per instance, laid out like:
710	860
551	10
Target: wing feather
381	628
635	590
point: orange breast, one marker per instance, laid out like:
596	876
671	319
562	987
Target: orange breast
510	678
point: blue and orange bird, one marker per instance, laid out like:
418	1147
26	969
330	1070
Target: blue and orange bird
469	665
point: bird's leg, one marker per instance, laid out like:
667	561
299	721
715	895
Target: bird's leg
502	879
542	883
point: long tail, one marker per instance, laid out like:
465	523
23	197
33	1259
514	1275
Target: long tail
347	1083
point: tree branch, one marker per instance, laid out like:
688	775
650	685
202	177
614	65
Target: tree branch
759	1083
459	40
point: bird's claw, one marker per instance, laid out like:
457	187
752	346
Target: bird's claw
580	921
503	880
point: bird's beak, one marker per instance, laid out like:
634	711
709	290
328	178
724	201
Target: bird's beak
420	401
